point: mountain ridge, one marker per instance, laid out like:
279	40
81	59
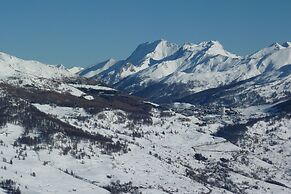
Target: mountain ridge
13	66
191	67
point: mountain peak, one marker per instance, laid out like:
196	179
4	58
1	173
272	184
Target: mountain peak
286	44
159	41
156	50
212	47
211	43
110	61
267	50
276	45
5	56
97	68
60	66
189	46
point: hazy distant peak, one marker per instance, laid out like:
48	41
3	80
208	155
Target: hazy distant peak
276	45
111	60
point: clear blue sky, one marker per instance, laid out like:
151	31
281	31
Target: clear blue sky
83	32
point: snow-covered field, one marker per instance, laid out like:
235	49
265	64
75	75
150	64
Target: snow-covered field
174	154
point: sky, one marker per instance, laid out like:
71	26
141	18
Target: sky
84	32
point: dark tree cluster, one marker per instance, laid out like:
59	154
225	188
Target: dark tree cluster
10	186
117	188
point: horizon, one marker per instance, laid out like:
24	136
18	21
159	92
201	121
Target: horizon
74	33
107	59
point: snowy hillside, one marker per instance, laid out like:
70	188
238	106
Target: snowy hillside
14	67
58	146
75	70
98	68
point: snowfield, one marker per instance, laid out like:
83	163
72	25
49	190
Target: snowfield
169	156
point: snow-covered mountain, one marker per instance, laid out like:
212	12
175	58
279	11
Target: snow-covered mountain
31	73
144	56
61	133
187	69
98	68
14	67
272	84
75	70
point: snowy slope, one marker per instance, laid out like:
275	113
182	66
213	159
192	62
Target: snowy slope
174	153
98	68
75	70
14	67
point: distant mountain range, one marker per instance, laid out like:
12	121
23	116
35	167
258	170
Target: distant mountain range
163	72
